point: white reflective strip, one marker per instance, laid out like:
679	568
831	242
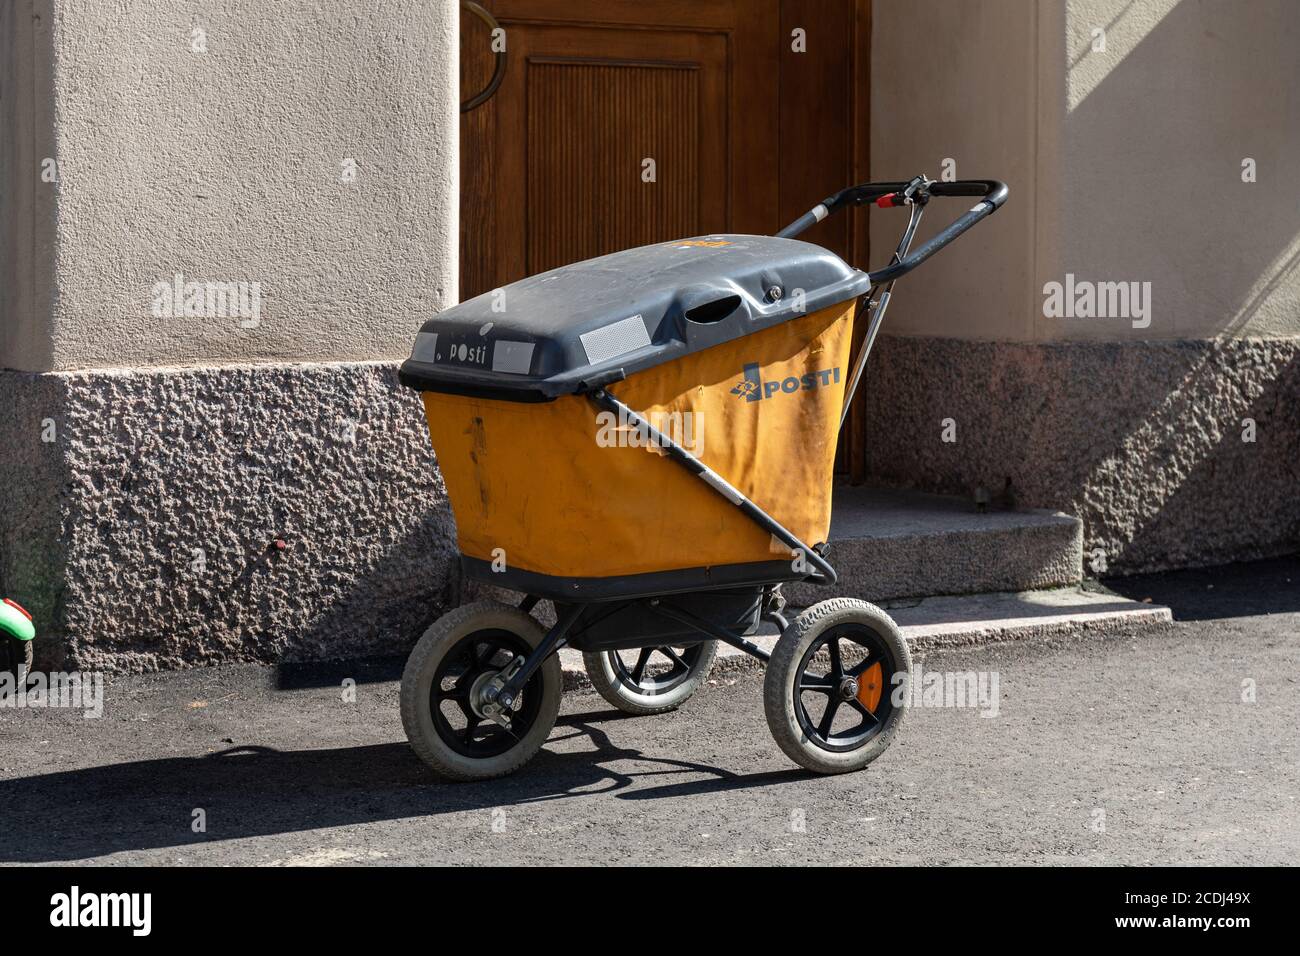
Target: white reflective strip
820	212
720	484
512	357
426	347
617	338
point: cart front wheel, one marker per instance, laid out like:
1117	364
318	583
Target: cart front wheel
830	689
650	680
442	693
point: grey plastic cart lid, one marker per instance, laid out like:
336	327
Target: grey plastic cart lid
594	322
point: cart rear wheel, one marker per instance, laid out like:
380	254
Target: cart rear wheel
829	691
442	686
650	680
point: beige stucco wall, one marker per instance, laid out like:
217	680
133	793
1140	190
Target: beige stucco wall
1125	165
26	205
958	81
1159	124
226	166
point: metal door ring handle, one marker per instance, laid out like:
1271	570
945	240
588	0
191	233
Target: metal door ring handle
498	72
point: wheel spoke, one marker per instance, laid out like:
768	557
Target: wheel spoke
837	665
822	685
828	718
865	664
638	671
472	723
857	705
673	656
472	655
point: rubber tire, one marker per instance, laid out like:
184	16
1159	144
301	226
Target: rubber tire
417	680
778	684
609	687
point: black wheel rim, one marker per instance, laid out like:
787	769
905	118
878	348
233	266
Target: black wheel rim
829	716
472	659
641	675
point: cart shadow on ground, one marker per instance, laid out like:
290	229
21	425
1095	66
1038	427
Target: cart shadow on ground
253	791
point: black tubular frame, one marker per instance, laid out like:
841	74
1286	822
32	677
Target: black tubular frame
915	193
991	192
605	401
708	627
877	308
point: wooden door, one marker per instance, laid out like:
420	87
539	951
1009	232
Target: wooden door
625	122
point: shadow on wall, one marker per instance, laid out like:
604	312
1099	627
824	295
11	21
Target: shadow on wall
1209	467
1216	467
1155	134
1184	448
1144	442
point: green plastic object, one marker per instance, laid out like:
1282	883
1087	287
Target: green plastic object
15	622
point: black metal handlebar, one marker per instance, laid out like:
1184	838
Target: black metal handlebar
918	191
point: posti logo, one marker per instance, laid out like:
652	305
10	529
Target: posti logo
754	389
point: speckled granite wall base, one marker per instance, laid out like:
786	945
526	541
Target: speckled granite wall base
163	518
141	510
1143	441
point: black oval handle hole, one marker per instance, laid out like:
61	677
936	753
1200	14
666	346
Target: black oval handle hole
714	311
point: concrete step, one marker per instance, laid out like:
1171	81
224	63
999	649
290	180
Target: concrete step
891	544
971	620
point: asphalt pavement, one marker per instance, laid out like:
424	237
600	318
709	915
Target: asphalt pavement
1181	745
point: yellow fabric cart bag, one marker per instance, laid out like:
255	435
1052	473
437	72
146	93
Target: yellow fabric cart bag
562	408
